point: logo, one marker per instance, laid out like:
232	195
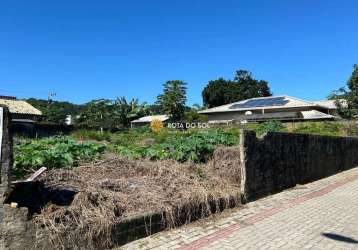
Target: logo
188	125
156	125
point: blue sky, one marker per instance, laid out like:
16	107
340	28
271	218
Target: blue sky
84	50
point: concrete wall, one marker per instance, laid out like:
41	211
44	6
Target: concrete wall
16	230
281	160
5	155
5	166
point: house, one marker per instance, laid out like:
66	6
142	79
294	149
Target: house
283	108
146	120
21	111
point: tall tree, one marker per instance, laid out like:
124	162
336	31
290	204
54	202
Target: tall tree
172	101
244	86
352	99
249	87
218	92
97	114
349	107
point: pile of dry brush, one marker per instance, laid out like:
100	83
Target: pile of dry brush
115	188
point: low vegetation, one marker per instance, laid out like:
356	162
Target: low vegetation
84	135
269	126
194	146
326	128
54	152
320	128
68	152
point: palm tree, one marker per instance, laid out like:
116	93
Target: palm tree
125	112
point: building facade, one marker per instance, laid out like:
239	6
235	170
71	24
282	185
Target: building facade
283	108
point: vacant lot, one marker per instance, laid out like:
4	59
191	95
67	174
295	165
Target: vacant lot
182	175
113	189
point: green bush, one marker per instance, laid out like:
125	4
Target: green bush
269	126
235	131
141	129
53	152
131	151
196	147
128	138
320	128
138	135
352	129
91	135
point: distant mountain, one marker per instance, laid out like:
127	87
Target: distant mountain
55	111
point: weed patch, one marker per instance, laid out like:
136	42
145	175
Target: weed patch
53	152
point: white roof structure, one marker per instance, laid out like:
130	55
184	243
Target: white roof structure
221	121
314	115
271	102
331	104
326	103
150	118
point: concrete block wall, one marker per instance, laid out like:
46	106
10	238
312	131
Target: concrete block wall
5	165
281	160
5	155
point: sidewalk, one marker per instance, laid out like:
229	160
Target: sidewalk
319	215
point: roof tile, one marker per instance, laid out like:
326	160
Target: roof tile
20	107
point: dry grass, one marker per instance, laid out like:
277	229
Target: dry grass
113	189
225	164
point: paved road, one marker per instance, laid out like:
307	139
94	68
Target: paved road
319	215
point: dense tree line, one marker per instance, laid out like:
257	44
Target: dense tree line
105	114
101	113
111	114
118	113
55	112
